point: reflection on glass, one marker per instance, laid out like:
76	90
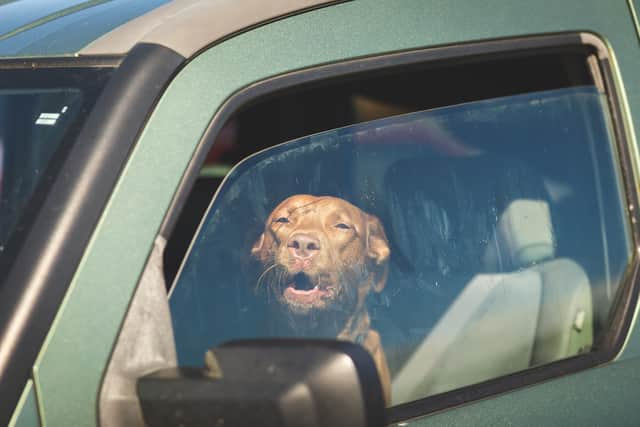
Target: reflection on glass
33	123
457	244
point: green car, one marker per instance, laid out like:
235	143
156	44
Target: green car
319	213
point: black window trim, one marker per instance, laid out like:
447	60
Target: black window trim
622	314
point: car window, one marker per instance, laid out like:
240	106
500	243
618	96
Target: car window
41	111
457	244
32	123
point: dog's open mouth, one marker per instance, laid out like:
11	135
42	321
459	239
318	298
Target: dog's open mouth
303	290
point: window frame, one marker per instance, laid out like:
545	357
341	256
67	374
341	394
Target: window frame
603	70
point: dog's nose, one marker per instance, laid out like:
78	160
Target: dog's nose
303	245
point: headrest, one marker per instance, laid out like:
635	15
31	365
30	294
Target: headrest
523	236
467	215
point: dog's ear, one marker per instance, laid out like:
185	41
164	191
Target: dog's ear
377	244
257	246
378	250
260	248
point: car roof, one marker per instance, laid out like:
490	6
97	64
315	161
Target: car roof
113	27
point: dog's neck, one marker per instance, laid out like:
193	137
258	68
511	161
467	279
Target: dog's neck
332	324
357	326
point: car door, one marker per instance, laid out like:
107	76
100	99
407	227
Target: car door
353	41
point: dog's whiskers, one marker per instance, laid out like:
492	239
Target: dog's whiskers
262	276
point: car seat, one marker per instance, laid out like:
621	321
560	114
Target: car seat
481	230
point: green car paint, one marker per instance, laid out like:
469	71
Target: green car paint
69	369
596	397
26	413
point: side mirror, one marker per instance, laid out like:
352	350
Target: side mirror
307	383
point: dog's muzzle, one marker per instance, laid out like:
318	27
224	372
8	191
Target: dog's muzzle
303	292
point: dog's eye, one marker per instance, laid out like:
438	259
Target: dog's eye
343	226
282	220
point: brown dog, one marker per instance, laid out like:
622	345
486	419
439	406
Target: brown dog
322	256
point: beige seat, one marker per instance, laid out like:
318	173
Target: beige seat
505	322
565	322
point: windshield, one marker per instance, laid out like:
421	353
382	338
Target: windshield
41	112
32	125
61	27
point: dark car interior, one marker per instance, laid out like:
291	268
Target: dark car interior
310	109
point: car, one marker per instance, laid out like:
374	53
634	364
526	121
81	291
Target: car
284	213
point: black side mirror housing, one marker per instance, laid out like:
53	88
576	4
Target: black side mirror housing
294	382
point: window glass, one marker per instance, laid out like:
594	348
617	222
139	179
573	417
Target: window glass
456	244
41	111
32	124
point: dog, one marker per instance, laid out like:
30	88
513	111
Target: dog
321	257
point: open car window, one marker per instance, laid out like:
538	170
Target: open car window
457	244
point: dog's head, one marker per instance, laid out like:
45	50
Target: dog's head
322	253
